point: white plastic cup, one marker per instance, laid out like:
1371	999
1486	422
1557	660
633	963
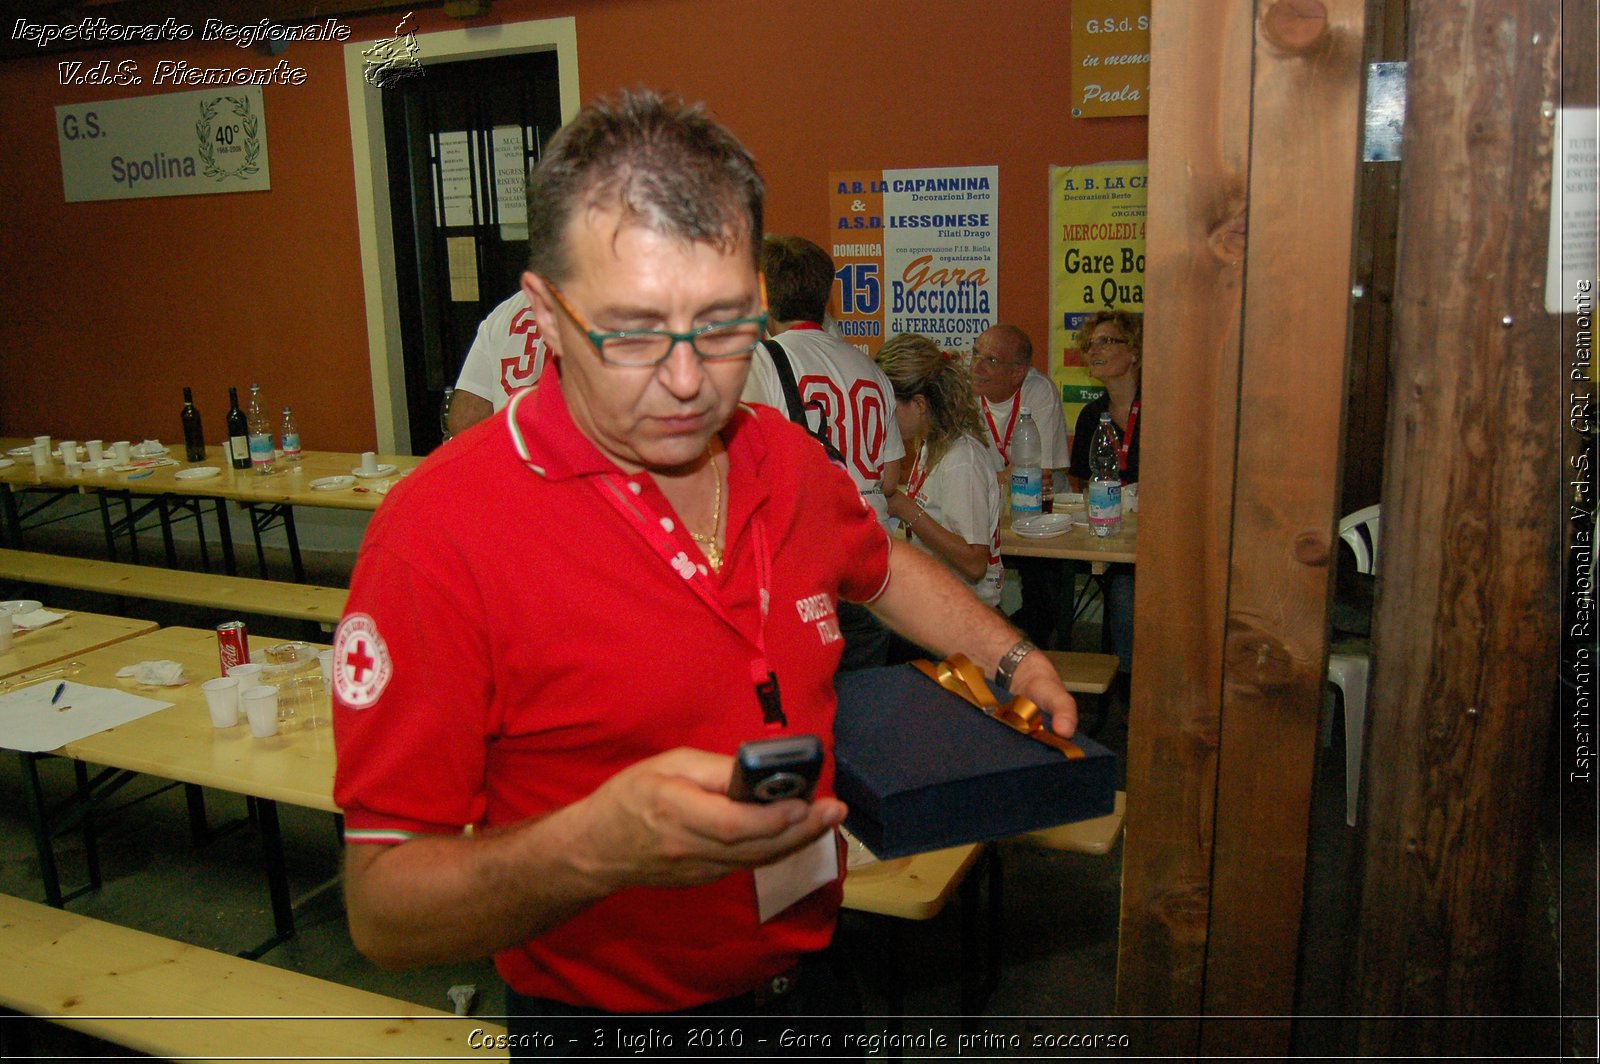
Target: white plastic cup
248	674
41	454
1130	498
123	451
261	710
96	448
42	439
325	661
69	454
369	461
222	699
5	628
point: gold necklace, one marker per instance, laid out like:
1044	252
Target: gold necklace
709	542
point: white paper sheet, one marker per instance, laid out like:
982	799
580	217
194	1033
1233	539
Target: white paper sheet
28	720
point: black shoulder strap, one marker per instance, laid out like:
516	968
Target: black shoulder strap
794	407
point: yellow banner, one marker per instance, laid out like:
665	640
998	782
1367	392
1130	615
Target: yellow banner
1110	58
1097	216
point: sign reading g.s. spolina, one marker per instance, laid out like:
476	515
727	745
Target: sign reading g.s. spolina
1110	58
176	144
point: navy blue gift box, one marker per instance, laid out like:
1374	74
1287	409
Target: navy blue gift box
922	769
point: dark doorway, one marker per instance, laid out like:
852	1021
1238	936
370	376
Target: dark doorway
461	138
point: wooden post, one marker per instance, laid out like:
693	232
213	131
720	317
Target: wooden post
1464	637
1243	401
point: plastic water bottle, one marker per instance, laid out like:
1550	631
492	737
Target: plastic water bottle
1105	481
289	433
1027	475
261	456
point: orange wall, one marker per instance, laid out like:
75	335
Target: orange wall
112	307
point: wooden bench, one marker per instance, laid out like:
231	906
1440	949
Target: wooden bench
170	999
1082	673
241	594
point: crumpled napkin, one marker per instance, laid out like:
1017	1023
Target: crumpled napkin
154	673
27	622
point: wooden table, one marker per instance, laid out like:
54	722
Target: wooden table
78	634
179	743
269	500
1077	544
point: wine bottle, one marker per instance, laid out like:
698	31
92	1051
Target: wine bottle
194	438
238	433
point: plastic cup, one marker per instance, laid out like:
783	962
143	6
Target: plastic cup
123	451
325	662
5	629
41	454
369	461
69	454
222	699
248	674
261	710
96	448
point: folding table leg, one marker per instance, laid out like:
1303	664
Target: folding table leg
34	793
105	521
294	545
225	534
91	840
277	879
164	512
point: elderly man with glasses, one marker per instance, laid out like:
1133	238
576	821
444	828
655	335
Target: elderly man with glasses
565	622
1005	380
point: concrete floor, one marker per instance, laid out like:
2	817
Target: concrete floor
1060	910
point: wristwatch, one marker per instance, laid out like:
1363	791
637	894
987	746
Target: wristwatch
1009	662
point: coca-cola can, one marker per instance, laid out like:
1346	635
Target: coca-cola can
233	645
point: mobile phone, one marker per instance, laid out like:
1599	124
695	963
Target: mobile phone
771	770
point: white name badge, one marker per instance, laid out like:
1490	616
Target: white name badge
782	883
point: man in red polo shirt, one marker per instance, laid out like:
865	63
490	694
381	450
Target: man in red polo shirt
564	623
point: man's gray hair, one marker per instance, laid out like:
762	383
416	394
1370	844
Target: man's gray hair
666	164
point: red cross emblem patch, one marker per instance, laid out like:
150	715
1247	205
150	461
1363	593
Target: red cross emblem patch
361	664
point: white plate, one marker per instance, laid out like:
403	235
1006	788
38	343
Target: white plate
1041	526
332	483
384	469
196	473
104	463
21	452
21	605
6	463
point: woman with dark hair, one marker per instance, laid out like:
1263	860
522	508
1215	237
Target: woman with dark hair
950	503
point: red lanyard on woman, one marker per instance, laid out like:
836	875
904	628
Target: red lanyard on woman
1003	445
1127	436
616	490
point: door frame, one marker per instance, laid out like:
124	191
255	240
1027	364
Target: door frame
369	149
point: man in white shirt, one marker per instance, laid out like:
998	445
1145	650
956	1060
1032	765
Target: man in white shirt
507	354
842	390
1005	380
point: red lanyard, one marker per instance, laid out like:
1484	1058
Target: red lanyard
919	471
1003	445
1127	436
615	489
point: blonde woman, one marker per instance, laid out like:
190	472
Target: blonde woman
950	503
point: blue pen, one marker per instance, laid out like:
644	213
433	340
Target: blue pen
62	686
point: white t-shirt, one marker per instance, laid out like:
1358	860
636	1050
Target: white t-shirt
962	493
1043	401
856	398
506	355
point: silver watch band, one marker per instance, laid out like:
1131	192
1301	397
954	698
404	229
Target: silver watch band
1009	661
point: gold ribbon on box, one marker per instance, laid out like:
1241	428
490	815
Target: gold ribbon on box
962	678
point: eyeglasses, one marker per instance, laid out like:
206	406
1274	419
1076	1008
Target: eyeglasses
995	363
1105	341
718	341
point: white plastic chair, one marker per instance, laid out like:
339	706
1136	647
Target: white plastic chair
1348	672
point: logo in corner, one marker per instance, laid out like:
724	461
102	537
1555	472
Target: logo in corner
362	667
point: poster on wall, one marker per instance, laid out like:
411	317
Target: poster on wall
1110	58
915	251
1097	216
174	144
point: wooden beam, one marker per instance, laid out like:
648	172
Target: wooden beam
1305	154
1195	243
1465	631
